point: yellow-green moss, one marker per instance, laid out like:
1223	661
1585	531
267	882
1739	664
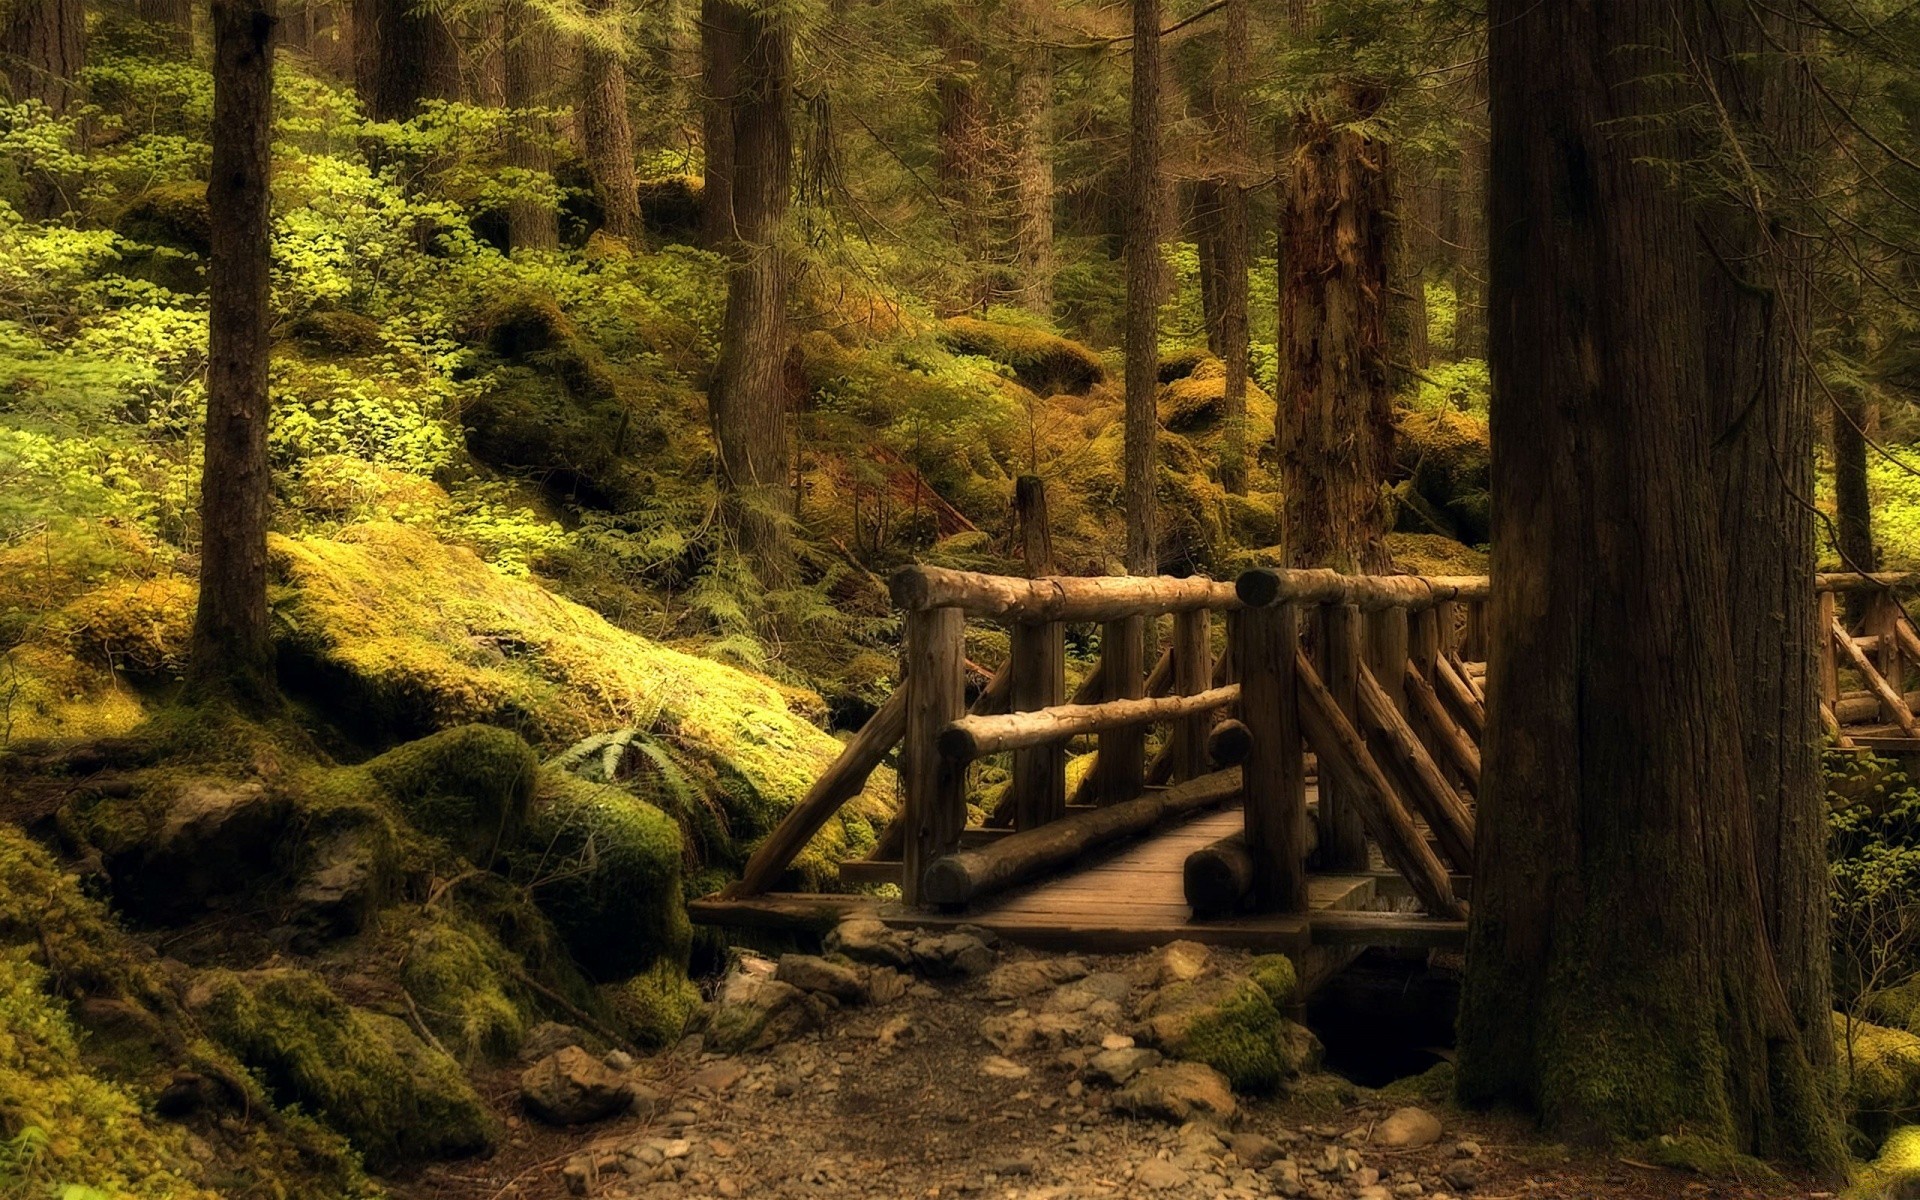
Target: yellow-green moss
1446	456
1043	361
363	1073
1231	1025
1880	1075
416	635
1684	1152
605	868
1434	1085
655	1005
1276	977
49	693
1894	1172
1432	554
462	990
470	785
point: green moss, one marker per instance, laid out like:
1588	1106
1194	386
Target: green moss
363	1073
1433	1085
463	991
1432	554
605	868
1685	1152
1894	1172
1043	361
1880	1075
1896	1007
1446	456
1230	1024
409	634
470	785
338	332
1276	977
654	1006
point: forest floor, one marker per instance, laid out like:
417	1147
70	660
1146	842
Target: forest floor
909	1099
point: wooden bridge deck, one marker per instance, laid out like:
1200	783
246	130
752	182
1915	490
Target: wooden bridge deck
1130	899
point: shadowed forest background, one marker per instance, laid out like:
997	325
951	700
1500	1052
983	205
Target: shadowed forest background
618	350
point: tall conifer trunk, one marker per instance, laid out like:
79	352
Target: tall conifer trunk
1144	203
719	64
404	52
231	653
1033	175
526	65
606	132
44	46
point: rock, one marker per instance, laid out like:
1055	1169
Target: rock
1408	1128
1159	1175
1463	1175
216	838
897	1029
548	1036
1089	994
762	1016
885	985
1229	1023
1020	1031
718	1077
345	884
866	940
1177	1092
1115	1067
1376	1192
1466	1149
1284	1175
1253	1149
996	1067
1014	980
1177	962
571	1087
618	1060
812	974
951	954
579	1174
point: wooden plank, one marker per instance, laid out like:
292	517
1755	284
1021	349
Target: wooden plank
1192	650
1276	798
1388	929
935	807
780	911
1343	835
861	871
1038	654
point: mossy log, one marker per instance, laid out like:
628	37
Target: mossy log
968	874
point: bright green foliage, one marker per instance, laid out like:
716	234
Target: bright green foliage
1874	850
363	1073
605	867
470	785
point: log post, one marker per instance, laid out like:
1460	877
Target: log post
1039	659
1192	669
1121	767
1275	770
1829	657
1387	647
1447	618
935	804
1343	836
1883	619
1473	646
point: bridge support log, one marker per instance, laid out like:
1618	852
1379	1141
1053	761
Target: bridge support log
1343	836
965	875
1344	756
1218	878
1425	785
1121	765
1038	656
934	784
1442	733
1192	651
1276	781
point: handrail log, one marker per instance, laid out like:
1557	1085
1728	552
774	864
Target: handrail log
966	874
1854	581
969	738
1007	599
1262	587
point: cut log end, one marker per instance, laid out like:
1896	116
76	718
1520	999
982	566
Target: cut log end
959	744
1229	744
1258	587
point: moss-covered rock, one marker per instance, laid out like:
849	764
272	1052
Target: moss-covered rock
464	991
1446	457
336	331
670	207
363	1073
605	868
655	1006
469	785
1276	976
1195	404
1880	1075
402	633
170	214
1043	361
1231	1024
1432	554
1894	1174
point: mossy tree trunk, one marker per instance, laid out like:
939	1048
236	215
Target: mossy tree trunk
231	653
965	140
1033	173
404	52
527	56
1144	204
1756	299
606	133
1852	414
747	397
1334	421
719	63
1233	257
1621	978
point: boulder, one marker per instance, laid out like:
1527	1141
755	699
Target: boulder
173	854
866	940
1176	1093
550	1036
1176	962
571	1087
1024	977
1255	1150
1230	1023
349	875
771	1013
1408	1128
810	973
1159	1175
1113	1068
1883	1088
951	954
1443	457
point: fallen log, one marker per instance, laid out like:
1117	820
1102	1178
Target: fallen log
967	874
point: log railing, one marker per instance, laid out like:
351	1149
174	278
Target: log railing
1878	651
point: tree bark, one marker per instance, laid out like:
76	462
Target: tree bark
1033	176
719	64
1143	294
1334	421
1853	503
527	63
747	398
1621	981
965	141
403	53
606	134
44	49
231	651
172	19
1234	256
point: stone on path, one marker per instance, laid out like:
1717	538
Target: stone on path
1014	980
1408	1128
1254	1149
950	954
571	1087
1177	1092
995	1067
1177	962
810	973
1115	1067
866	940
1157	1174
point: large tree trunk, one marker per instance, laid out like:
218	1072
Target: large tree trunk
1233	256
747	398
719	65
404	52
606	134
231	653
1334	422
1144	204
1757	304
172	18
527	64
1851	415
1033	175
966	148
44	48
1621	981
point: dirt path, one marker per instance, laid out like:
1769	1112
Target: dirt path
908	1099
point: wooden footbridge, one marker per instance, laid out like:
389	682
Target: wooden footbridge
1311	785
